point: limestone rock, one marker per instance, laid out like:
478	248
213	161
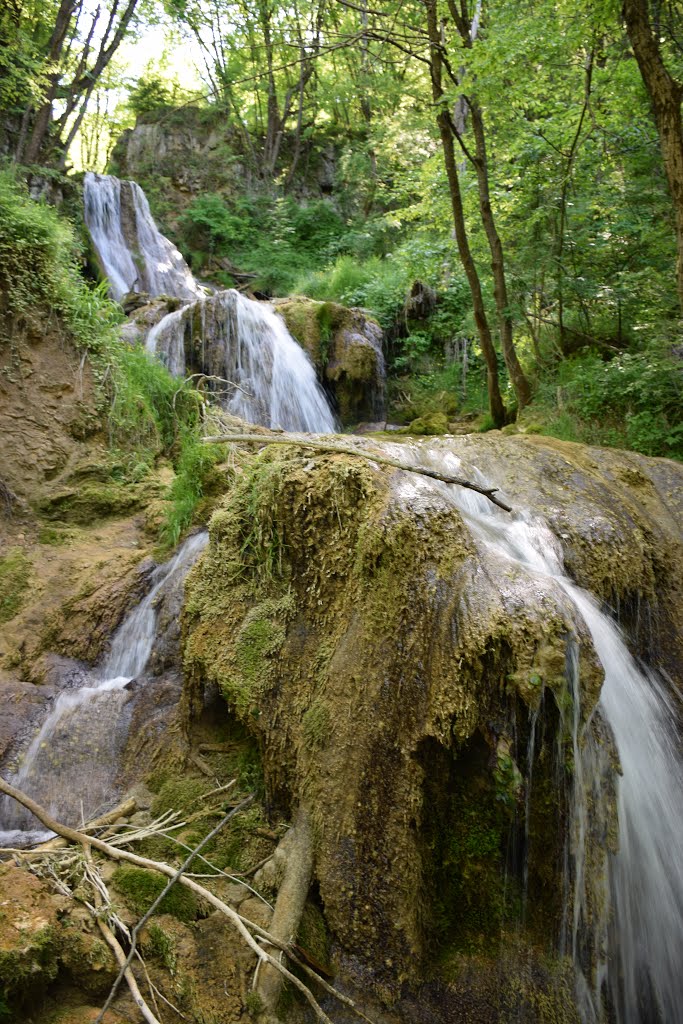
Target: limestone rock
389	664
345	346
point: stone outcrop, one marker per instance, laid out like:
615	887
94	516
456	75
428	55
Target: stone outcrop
345	346
394	672
184	153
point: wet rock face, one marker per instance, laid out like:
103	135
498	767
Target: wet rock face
408	684
345	346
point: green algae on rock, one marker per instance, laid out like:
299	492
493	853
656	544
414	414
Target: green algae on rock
15	576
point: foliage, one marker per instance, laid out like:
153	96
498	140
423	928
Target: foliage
150	93
634	400
196	477
276	241
53	55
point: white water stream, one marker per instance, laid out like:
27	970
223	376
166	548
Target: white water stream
133	253
246	343
640	955
69	767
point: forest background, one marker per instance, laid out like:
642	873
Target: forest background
499	183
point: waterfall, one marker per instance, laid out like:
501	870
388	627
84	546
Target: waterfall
638	940
272	380
69	767
133	253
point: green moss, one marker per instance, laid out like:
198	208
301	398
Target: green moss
15	577
55	536
313	935
139	888
316	724
161	946
326	321
178	794
35	962
430	423
93	501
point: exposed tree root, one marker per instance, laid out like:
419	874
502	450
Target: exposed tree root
383	460
291	900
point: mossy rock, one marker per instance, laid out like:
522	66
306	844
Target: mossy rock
431	423
139	888
30	935
93	501
15	579
345	346
395	692
325	610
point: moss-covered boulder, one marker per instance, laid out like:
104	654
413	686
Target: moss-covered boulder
345	346
406	683
429	424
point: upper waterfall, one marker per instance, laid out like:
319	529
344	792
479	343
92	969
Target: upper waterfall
134	255
247	344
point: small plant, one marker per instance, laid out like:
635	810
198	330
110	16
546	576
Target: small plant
140	888
160	945
253	1004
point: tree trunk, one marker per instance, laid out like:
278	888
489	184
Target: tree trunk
496	405
665	94
517	375
42	119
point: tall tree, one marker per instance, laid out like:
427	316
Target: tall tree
647	37
63	48
447	134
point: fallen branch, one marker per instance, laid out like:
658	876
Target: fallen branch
164	892
241	924
126	972
383	460
201	377
111	939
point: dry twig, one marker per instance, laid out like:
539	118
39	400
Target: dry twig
243	926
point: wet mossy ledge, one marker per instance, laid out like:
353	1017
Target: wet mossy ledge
390	667
345	346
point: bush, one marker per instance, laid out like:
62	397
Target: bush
634	400
209	225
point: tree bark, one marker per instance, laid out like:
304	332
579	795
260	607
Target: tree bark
517	375
496	405
665	95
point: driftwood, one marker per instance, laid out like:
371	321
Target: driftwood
383	460
246	929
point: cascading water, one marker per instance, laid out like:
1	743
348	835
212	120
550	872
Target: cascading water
246	343
133	253
69	766
635	976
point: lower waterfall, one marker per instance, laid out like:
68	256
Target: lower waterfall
635	976
70	766
271	379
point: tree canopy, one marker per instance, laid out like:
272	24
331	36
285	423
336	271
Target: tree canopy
522	161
